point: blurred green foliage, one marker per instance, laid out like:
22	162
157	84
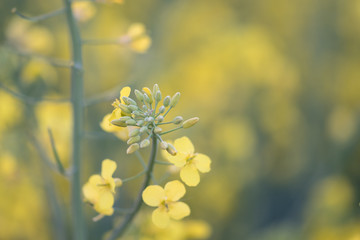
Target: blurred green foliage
275	84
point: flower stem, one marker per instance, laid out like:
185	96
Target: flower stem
119	230
78	113
172	130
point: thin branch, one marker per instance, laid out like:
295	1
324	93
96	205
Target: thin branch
31	100
120	229
141	159
40	17
172	130
163	163
56	155
101	42
134	177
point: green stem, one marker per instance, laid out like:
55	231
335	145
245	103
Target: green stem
40	17
134	177
119	230
101	41
163	163
167	112
78	116
172	130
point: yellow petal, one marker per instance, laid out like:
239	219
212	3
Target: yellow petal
95	180
153	195
160	217
184	145
107	126
178	160
202	162
91	192
189	174
135	30
124	92
141	45
105	203
174	190
123	133
178	210
115	114
108	168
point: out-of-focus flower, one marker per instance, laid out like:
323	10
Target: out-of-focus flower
8	166
166	199
111	1
27	37
83	11
37	68
189	161
100	189
136	38
107	126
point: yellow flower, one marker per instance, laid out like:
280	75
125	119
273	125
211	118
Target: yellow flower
107	126
166	199
100	189
189	161
111	1
83	11
136	38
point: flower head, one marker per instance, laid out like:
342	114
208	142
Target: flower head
189	161
136	38
166	201
100	189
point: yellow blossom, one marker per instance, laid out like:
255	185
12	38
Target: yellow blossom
83	11
111	1
189	161
166	199
136	38
100	189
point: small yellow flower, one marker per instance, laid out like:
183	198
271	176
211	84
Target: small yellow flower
136	38
83	11
189	161
166	199
100	189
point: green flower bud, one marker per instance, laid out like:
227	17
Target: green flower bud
155	89
139	95
158	96
140	123
133	107
143	129
134	132
171	149
132	148
147	98
164	145
178	120
133	139
175	99
125	118
160	118
157	130
144	143
118	122
167	100
130	122
126	101
137	113
144	107
124	108
190	122
132	102
161	109
149	119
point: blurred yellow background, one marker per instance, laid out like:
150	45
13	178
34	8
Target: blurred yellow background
276	85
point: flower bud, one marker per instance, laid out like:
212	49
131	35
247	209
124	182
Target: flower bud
178	120
167	100
160	118
161	109
118	182
171	149
163	145
132	148
155	88
124	108
144	143
137	113
150	119
139	95
144	107
158	96
130	122
133	140
134	132
140	123
147	98
143	129
190	122
125	99
157	130
118	122
148	92
175	99
133	107
125	118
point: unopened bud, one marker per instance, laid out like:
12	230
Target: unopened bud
143	129
125	118
175	99
161	109
171	149
140	123
134	132
148	92
133	107
139	95
163	145
178	120
126	101
118	122
190	122
160	118
133	140
157	130
167	100
118	182
155	88
132	148
158	96
124	108
147	98
144	143
137	113
130	122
